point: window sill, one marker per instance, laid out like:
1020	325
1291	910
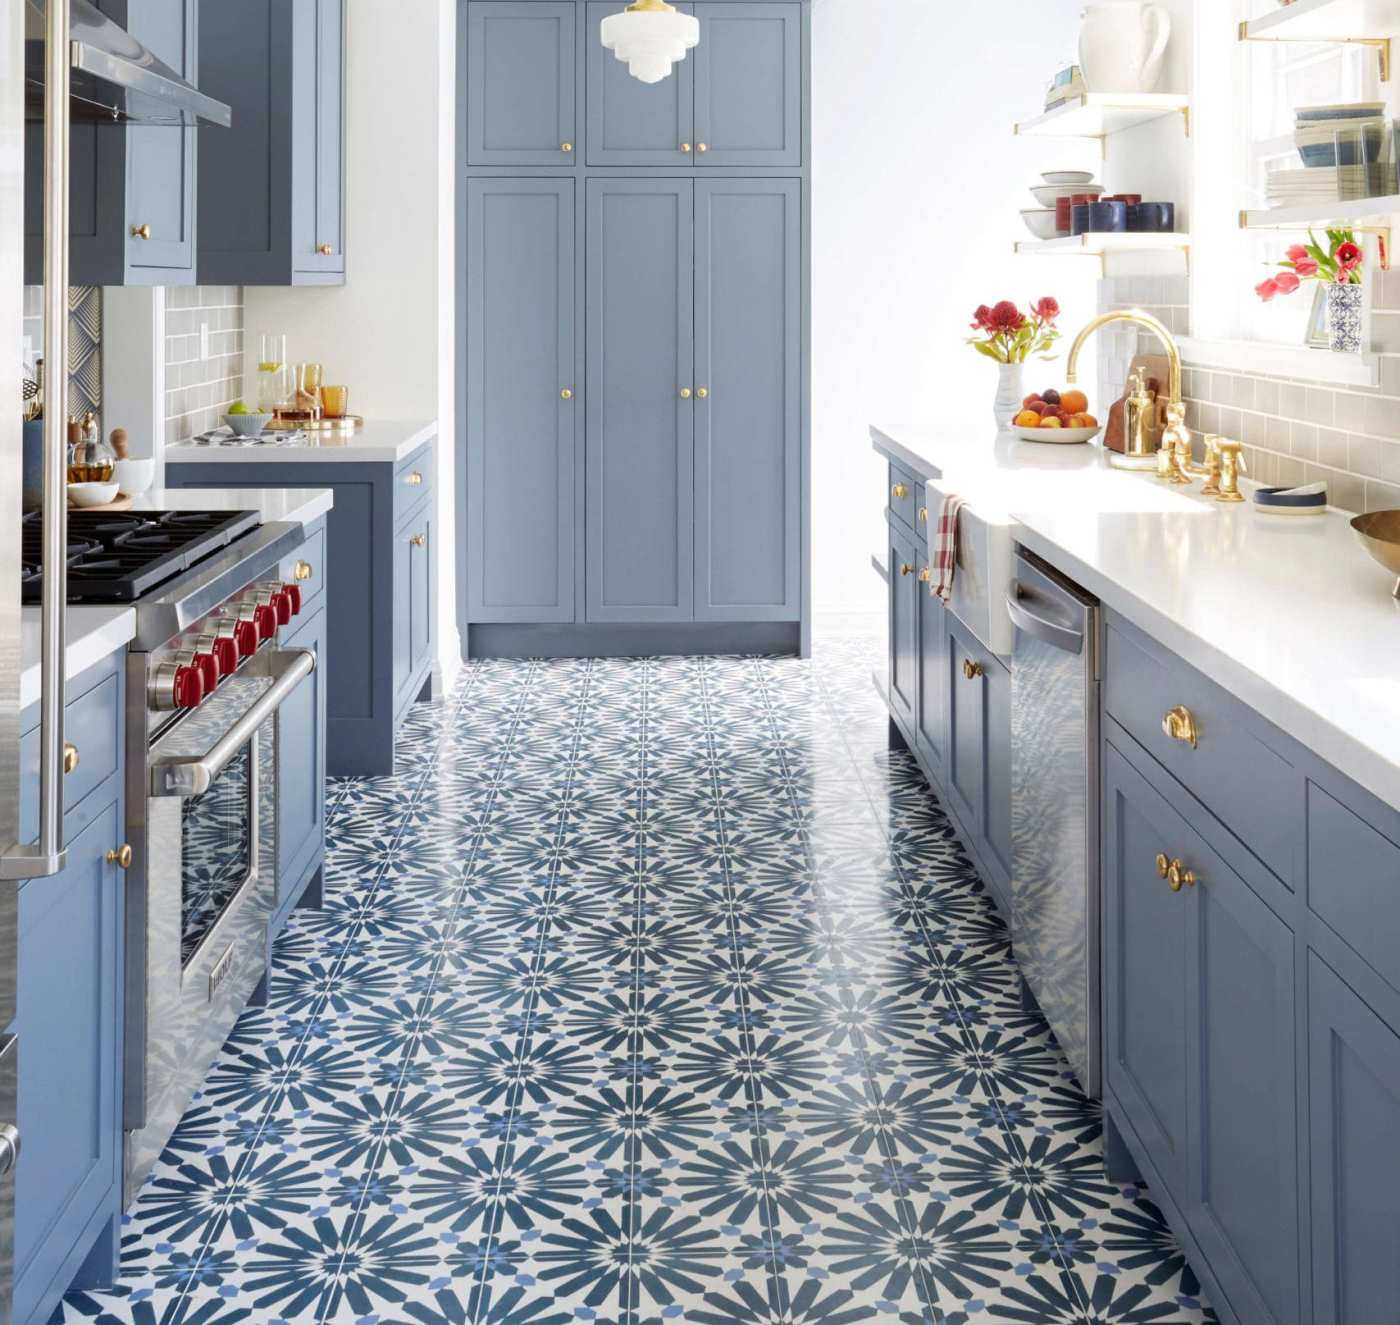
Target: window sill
1292	361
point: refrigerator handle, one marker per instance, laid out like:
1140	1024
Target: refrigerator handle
1054	633
48	856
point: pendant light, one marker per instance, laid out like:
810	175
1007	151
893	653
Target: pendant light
649	37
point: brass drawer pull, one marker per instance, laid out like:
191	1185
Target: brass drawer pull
703	393
325	250
419	540
685	147
1179	877
415	479
923	514
120	856
1163	865
1180	725
141	231
899	491
566	147
70	756
925	575
702	147
565	394
301	572
906	570
685	393
972	670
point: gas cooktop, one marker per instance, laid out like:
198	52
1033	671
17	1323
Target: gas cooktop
117	558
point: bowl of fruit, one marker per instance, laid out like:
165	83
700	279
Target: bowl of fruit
1061	418
244	422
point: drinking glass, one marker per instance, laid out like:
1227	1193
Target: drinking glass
335	401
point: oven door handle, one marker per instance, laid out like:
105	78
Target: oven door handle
193	777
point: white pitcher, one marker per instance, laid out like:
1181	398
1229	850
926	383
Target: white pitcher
1122	44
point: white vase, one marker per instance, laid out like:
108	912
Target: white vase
1010	393
1122	44
1344	319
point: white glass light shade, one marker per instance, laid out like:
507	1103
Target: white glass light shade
650	41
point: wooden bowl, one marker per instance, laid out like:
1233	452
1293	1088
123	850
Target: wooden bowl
1379	533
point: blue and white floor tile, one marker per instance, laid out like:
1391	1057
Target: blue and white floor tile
645	991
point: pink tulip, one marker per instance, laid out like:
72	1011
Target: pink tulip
1306	267
1266	290
1298	254
1286	282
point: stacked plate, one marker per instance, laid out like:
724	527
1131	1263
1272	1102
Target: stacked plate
1059	186
1297	188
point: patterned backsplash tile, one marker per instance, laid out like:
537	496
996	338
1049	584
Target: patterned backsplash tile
84	343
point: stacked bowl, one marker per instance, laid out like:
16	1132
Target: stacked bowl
1051	219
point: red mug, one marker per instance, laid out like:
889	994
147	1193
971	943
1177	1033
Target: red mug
1062	214
1132	199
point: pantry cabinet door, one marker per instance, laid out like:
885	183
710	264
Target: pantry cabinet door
748	84
631	123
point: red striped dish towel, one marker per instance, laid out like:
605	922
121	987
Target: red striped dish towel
943	546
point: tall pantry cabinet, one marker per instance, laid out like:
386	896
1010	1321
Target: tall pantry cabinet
633	333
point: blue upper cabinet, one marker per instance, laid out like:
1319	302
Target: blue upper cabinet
272	187
132	195
522	399
631	123
748	84
521	82
640	400
748	401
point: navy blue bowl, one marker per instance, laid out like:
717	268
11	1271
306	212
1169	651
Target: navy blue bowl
1284	499
1152	218
1107	217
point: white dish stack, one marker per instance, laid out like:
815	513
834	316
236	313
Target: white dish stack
1041	221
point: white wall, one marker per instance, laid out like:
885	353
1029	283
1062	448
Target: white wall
388	332
918	180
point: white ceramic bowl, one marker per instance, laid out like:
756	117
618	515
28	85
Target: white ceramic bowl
1068	177
1041	223
92	494
1052	193
247	425
134	476
1056	436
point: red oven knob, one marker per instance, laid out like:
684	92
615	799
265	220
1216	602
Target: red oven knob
265	618
245	634
281	604
207	665
187	689
224	651
293	595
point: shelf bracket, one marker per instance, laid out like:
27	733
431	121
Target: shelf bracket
1381	232
1381	45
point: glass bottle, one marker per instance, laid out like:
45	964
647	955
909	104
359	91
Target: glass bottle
90	459
274	381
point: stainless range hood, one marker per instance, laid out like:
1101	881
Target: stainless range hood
114	79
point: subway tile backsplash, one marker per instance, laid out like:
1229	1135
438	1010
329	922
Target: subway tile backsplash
1294	431
199	390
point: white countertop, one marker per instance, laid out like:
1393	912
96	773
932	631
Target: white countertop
92	633
379	440
1290	614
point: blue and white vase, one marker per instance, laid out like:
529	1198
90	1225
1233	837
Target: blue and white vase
1344	319
1010	393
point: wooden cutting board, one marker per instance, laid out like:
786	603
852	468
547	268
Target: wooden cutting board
1157	369
121	504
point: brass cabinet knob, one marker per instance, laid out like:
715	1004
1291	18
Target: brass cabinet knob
1163	865
685	393
703	393
702	147
1180	725
925	575
906	570
685	147
70	756
1179	877
141	232
899	491
120	856
301	572
419	540
414	480
566	147
325	250
566	394
923	514
972	670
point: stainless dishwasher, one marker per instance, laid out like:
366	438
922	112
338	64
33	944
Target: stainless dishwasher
1055	888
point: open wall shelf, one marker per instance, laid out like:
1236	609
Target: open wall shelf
1098	114
1101	245
1325	20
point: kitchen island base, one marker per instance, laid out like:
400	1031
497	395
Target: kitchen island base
780	638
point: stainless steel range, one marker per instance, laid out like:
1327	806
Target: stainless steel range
205	680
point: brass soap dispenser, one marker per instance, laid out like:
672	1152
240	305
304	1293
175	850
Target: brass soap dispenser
1142	431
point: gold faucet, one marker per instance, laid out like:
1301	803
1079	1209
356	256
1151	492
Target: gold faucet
1174	462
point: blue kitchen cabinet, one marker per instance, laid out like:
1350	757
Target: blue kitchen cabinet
379	650
521	82
1354	1097
931	724
903	613
640	401
748	401
272	186
132	188
631	123
522	400
748	84
68	1020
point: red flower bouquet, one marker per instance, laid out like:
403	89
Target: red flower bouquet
1011	336
1338	264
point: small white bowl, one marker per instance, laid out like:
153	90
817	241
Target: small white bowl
1041	223
1056	436
92	494
1052	193
1068	176
134	476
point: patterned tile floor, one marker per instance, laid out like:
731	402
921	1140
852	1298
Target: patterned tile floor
646	991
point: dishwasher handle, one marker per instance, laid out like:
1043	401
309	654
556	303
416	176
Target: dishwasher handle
1055	633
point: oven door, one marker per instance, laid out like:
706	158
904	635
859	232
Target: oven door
210	888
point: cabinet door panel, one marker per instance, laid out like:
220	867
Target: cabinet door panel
967	730
301	758
322	172
748	84
519	343
1243	1192
520	83
748	359
931	729
1354	1066
903	628
640	432
1145	936
420	595
997	762
68	1027
401	653
160	160
631	123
